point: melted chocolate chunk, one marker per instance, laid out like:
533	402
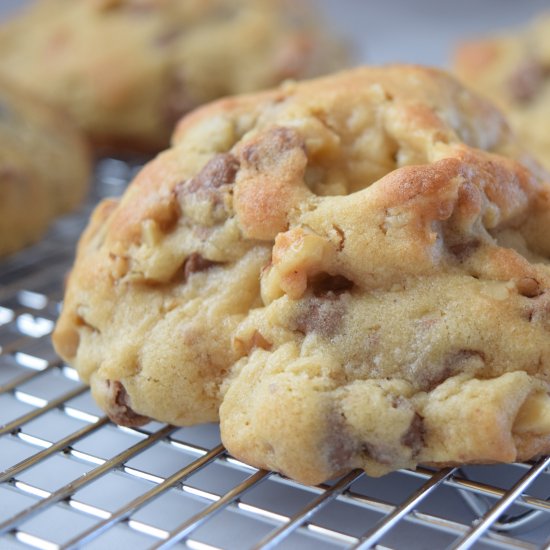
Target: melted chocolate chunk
463	251
134	7
220	170
325	284
195	263
8	173
206	198
272	144
460	356
380	453
178	101
320	315
539	312
524	83
454	364
339	443
414	437
341	237
167	38
120	411
211	185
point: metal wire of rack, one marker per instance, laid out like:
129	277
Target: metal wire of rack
71	479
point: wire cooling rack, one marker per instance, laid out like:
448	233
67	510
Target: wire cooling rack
71	479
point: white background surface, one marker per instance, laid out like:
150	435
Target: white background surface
423	31
415	31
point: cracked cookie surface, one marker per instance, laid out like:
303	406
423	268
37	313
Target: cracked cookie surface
126	70
350	272
44	167
513	70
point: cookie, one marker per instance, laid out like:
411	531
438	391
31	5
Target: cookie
513	69
126	70
44	167
349	272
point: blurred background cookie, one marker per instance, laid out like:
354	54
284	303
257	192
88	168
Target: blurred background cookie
44	167
513	69
126	70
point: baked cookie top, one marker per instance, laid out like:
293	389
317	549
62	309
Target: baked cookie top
349	272
128	69
513	69
44	166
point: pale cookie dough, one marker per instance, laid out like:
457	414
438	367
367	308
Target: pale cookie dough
44	167
513	69
126	70
350	272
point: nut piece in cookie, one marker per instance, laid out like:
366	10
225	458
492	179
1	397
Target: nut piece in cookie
349	272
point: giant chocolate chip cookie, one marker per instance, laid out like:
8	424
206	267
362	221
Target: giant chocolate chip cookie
350	272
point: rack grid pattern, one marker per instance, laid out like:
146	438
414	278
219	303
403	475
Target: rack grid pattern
71	479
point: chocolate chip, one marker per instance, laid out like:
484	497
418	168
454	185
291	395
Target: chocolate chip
463	355
210	183
464	250
168	37
178	101
320	315
454	363
194	263
529	287
341	237
526	80
276	141
220	170
325	284
380	453
539	311
429	380
414	436
134	7
207	194
120	411
105	5
10	173
339	444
